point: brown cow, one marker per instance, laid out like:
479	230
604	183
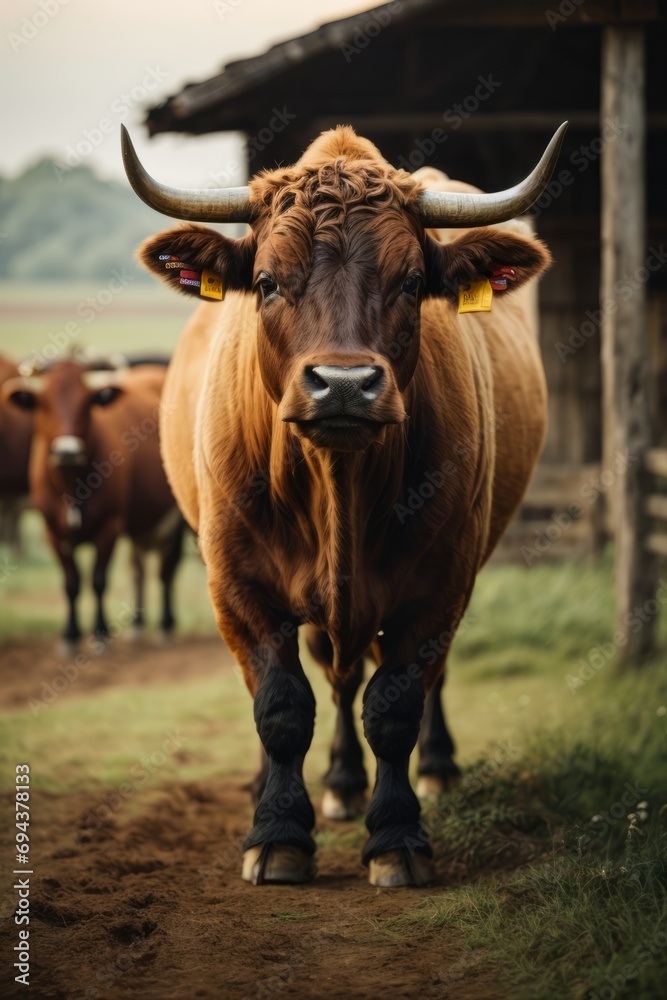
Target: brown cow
96	474
349	450
15	436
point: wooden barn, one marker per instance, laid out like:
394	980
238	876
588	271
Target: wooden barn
477	89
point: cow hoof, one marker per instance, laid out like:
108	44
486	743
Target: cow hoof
341	807
68	648
277	863
164	637
136	633
430	786
397	869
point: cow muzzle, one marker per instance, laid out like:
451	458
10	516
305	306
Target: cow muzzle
67	450
342	407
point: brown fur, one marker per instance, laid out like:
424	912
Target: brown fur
295	533
15	435
132	496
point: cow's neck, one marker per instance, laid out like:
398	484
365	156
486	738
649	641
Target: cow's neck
346	502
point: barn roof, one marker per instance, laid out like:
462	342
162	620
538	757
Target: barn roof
224	101
183	112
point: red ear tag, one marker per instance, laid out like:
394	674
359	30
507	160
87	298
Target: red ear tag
190	278
501	277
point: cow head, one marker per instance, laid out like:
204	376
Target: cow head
339	260
62	400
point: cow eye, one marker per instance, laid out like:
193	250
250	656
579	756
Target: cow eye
24	400
106	396
267	286
412	285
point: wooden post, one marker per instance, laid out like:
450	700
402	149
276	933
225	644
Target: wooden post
625	353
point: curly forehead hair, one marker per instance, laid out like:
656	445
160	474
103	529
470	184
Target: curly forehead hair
340	179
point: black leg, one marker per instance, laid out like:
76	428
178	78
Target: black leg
139	574
104	544
258	783
169	564
285	718
398	850
346	779
72	586
437	770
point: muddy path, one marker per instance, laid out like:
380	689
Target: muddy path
148	902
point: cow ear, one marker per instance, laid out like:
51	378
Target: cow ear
200	262
507	258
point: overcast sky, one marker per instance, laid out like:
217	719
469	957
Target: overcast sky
65	67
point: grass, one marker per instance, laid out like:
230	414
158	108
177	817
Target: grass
32	600
139	317
587	918
548	877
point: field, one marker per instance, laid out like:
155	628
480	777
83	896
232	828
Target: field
551	854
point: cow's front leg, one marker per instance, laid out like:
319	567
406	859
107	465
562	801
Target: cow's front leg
280	848
397	852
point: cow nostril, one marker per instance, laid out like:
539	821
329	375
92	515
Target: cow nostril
317	381
372	381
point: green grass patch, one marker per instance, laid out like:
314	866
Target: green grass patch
586	805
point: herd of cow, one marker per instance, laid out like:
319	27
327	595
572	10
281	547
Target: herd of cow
80	438
372	340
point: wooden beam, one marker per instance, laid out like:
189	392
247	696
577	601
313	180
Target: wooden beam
504	121
626	382
656	462
655	505
656	544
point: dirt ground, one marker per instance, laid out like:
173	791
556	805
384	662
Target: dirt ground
150	903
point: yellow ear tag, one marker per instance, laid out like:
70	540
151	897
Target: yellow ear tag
211	286
475	297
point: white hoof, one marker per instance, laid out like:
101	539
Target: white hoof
397	869
277	863
429	786
337	807
66	649
136	633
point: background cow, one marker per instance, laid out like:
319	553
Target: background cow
96	474
304	413
15	436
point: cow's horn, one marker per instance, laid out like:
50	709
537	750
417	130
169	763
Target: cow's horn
207	205
450	209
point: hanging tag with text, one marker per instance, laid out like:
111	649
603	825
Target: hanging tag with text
475	297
